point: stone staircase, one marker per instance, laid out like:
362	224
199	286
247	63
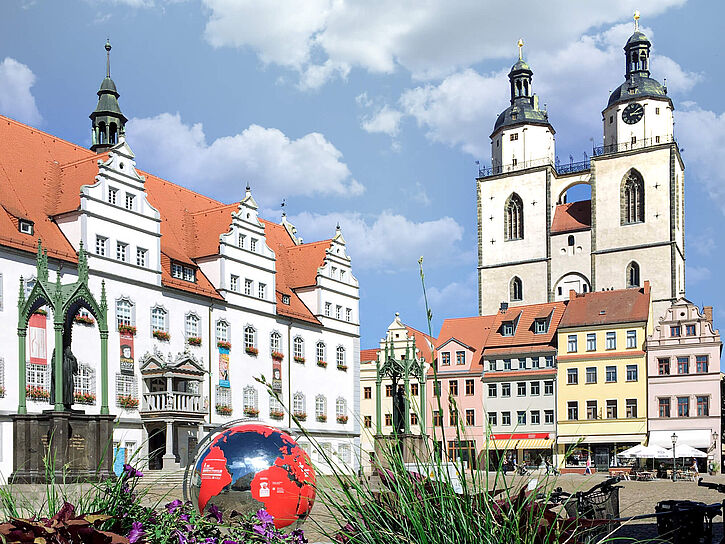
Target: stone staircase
162	485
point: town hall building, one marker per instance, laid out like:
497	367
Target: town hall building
535	245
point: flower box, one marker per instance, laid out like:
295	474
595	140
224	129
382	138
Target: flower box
127	401
194	340
251	350
275	414
299	359
223	344
322	418
128	329
40	311
84	398
84	320
223	410
323	364
302	416
251	412
161	335
342	419
37	393
277	355
342	367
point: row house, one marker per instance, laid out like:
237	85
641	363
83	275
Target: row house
205	298
519	377
602	375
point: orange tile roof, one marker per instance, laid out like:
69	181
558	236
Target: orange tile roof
472	331
524	336
572	217
421	344
608	307
34	163
367	355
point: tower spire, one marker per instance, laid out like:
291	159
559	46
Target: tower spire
108	58
636	20
108	120
521	45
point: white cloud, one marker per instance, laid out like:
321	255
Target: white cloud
389	241
702	241
275	165
386	120
696	274
447	301
430	39
16	100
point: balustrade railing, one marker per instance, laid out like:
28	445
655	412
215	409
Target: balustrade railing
174	401
629	146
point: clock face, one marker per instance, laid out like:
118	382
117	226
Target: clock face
632	113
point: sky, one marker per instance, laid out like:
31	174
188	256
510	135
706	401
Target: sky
368	113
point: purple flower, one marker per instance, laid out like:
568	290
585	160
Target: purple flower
215	513
131	472
264	516
136	532
173	506
180	536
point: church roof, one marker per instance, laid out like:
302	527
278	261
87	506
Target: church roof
572	217
521	112
41	177
637	87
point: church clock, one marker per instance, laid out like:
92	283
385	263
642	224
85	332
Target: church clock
632	113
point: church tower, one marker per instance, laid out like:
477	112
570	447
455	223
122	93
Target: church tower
108	121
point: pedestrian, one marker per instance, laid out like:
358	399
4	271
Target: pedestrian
694	468
588	470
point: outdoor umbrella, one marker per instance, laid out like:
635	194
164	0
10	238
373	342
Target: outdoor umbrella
683	450
640	451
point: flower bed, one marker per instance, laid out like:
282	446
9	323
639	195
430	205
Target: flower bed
223	410
128	329
84	320
127	401
161	335
299	359
194	340
322	418
276	414
277	355
342	367
342	419
323	364
251	412
302	416
251	350
84	398
224	344
37	393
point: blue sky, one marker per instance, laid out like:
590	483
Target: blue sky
371	113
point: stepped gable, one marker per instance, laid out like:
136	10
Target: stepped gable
603	307
524	339
471	331
572	217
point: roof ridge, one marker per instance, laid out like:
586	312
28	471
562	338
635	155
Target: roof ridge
85	159
215	208
186	189
58	138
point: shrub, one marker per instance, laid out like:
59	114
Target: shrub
161	335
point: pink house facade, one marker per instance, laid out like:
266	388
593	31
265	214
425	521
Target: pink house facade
684	380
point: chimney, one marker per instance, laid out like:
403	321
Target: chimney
707	310
504	307
572	294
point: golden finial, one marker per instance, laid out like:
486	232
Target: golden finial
636	20
521	44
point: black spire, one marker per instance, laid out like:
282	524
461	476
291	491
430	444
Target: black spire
520	78
637	52
108	121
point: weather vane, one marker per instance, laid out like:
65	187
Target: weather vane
636	20
521	44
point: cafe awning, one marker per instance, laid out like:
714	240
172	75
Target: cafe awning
536	444
697	438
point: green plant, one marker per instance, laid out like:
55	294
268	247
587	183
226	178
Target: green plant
127	401
84	398
299	359
161	335
323	364
251	350
223	410
224	344
194	340
342	419
276	414
342	367
84	319
37	393
127	329
251	411
322	418
277	355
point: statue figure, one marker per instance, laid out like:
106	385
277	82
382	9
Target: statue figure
70	369
399	411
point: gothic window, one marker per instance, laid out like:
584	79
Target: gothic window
250	337
340	356
159	319
517	289
223	396
126	389
37	376
514	218
298	347
298	404
320	407
275	342
320	351
124	312
222	331
632	198
633	274
191	326
250	399
340	407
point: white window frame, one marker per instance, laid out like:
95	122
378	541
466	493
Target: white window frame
250	398
129	319
320	406
223	396
222	330
631	339
159	319
299	403
112	195
130	202
141	254
121	251
348	315
248	287
126	385
328	308
38	376
250	337
101	245
321	351
262	291
340	407
340	355
298	347
234	283
275	342
85	381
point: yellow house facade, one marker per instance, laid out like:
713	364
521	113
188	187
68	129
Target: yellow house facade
602	376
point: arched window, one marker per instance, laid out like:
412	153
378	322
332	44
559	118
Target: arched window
340	407
275	342
321	408
250	337
570	240
299	404
101	133
84	385
514	218
643	60
159	319
112	133
517	289
298	348
124	312
321	352
633	274
222	331
340	356
526	87
632	198
518	87
250	401
191	326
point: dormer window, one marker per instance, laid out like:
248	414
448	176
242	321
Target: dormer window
285	299
182	272
507	328
26	227
514	115
540	326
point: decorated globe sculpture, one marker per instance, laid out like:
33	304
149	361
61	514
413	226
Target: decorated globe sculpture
247	467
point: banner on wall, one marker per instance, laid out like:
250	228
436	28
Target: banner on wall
223	367
126	354
37	340
276	375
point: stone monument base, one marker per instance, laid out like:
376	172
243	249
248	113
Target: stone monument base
77	447
412	447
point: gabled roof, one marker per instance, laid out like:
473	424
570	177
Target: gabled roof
572	217
41	176
422	343
524	336
472	331
368	355
608	307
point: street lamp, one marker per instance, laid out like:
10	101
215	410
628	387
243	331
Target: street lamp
674	457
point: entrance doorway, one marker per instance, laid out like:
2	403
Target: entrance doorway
157	448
